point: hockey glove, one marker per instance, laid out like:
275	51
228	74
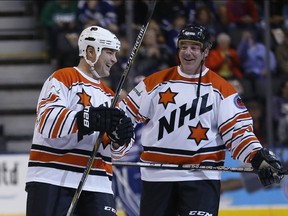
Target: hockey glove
98	119
123	133
268	167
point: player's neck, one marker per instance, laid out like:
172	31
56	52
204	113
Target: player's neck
85	68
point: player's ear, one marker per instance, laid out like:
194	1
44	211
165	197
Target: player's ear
205	54
90	52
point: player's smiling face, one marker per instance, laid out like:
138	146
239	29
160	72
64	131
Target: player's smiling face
190	56
106	60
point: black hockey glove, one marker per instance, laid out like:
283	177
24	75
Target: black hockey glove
268	167
101	118
123	133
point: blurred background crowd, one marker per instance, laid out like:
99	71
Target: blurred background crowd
237	28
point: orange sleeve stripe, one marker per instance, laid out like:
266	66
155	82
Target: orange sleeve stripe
51	99
141	119
239	132
235	134
252	154
131	106
43	117
227	126
72	160
75	127
250	128
242	145
59	123
172	159
232	122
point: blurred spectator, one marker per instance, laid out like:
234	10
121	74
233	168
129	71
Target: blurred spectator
191	8
221	16
205	18
171	34
275	11
276	19
173	15
224	60
168	10
59	21
280	113
253	57
242	15
153	54
97	12
281	52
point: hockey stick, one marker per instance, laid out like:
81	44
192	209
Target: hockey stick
151	7
182	166
188	167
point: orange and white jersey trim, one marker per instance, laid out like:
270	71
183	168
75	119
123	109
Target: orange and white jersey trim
181	128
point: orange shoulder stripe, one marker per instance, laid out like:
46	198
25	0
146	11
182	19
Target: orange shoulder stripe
219	83
70	75
161	76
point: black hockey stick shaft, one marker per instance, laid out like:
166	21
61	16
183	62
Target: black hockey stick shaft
182	166
188	167
151	7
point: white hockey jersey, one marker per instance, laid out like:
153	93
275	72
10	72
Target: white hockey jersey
57	156
183	129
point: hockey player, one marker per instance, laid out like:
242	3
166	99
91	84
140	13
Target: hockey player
192	116
73	107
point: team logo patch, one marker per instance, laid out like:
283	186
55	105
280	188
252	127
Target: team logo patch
238	102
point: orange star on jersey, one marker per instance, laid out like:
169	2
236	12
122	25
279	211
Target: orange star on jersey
198	133
85	99
167	97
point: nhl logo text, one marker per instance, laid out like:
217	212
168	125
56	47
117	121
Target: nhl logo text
169	126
